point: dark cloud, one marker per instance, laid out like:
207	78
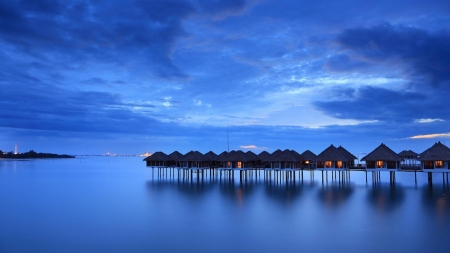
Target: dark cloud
422	53
222	7
144	32
374	103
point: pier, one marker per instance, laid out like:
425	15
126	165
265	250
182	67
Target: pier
288	166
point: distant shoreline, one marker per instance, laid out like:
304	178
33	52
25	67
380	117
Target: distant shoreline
33	155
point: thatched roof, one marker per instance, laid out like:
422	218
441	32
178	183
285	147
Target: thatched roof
296	155
285	156
252	156
211	156
222	155
273	155
308	156
263	155
382	153
194	156
331	154
237	156
157	156
175	156
408	153
438	152
347	154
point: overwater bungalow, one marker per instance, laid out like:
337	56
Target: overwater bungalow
175	159
382	159
332	159
307	159
195	159
410	159
213	159
287	159
262	158
351	158
237	160
436	158
157	160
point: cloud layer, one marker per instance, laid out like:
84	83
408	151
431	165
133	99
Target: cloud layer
176	73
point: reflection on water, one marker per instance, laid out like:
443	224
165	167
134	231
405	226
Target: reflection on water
335	194
436	198
385	197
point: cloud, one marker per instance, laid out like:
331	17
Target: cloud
375	103
420	53
427	120
429	136
248	147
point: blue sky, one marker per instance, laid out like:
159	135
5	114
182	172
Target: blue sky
91	77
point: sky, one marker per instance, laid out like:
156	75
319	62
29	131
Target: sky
128	77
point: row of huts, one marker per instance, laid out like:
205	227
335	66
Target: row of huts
434	159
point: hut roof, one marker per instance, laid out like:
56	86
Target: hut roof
194	156
222	155
263	155
211	156
408	153
437	152
273	155
308	156
331	154
252	156
347	154
157	156
382	153
285	156
237	156
296	155
175	156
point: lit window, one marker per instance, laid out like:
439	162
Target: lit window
439	164
339	164
328	164
380	164
239	165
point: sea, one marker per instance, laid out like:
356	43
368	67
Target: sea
117	204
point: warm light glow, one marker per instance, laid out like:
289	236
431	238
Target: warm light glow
306	162
239	165
438	164
339	164
228	164
380	164
328	164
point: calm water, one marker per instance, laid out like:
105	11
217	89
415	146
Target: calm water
114	205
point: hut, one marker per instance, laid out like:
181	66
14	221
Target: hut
382	159
213	159
174	159
237	160
351	158
332	159
195	159
307	159
285	160
436	158
410	159
262	159
158	159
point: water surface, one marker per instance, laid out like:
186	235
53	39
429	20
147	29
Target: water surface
116	204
